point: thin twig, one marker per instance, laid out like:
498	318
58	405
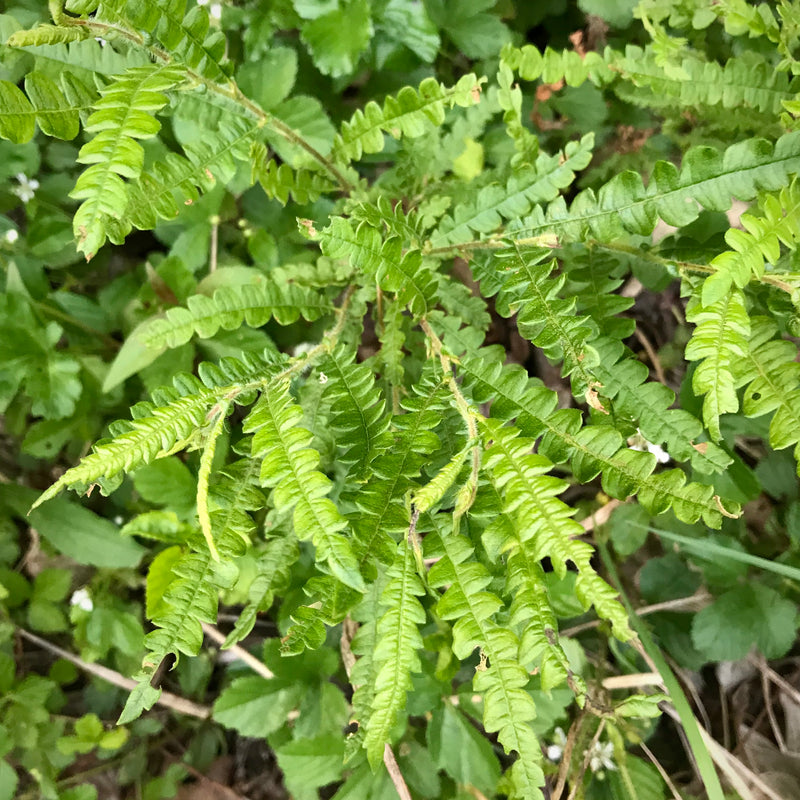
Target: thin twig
171	701
773	723
632	681
213	254
243	655
725	714
566	757
395	774
777	679
694	602
686	681
652	355
661	771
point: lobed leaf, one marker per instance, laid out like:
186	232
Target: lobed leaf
288	466
55	110
409	114
232	306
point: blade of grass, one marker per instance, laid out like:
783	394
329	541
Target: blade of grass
712	549
702	757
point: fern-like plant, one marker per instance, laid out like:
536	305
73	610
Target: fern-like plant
389	456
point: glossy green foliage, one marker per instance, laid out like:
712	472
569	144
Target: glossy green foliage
405	274
508	709
288	466
529	498
229	307
183	31
770	371
706	178
54	109
419	318
396	653
408	114
123	115
720	340
166	424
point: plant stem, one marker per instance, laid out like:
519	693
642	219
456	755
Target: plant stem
57	313
547	240
230	92
468	414
171	701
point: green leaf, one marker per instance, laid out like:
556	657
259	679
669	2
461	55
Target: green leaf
617	13
308	117
627	538
408	23
46	617
256	706
458	749
75	531
410	113
157	428
82	535
124	114
308	764
269	80
334	54
159	577
190	36
398	642
469	164
133	356
230	307
54	387
54	110
8	780
720	340
52	585
667	578
641	706
288	465
108	627
141	699
477	35
166	482
748	615
323	710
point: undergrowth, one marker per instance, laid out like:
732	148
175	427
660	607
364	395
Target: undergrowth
336	438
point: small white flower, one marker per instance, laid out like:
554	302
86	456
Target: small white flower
119	519
638	442
323	378
601	758
11	236
27	187
82	599
215	11
556	750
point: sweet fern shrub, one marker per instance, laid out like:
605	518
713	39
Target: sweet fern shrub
310	262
